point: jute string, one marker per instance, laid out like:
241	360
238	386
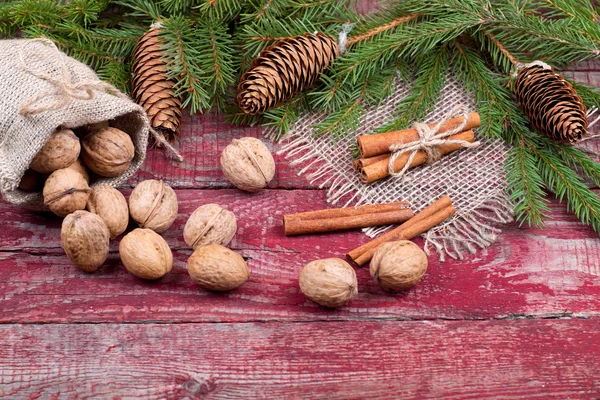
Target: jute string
63	88
429	141
343	37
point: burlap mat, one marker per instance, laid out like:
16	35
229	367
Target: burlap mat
473	178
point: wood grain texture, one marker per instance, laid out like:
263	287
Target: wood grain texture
549	359
201	141
528	272
495	325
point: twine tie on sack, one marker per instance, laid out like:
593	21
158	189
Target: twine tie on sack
63	88
429	141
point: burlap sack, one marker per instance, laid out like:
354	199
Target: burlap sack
42	89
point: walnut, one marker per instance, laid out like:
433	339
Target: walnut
65	191
215	267
153	205
146	254
398	265
210	223
330	282
60	151
111	206
85	239
248	164
80	167
32	181
107	152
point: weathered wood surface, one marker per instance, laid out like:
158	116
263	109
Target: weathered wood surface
514	359
528	272
520	319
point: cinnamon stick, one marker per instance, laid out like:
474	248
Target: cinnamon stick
379	169
334	219
347	211
295	226
373	145
432	215
363	162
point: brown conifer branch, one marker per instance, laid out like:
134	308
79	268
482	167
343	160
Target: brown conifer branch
502	49
395	23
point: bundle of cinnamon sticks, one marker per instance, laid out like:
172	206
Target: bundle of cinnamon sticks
375	149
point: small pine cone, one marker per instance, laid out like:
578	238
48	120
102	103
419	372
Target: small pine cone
553	106
151	87
284	69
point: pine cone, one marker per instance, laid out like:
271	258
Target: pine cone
553	106
151	87
284	69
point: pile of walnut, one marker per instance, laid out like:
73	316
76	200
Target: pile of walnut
395	266
144	253
63	167
95	215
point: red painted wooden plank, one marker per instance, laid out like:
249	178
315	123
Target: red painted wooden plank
507	359
201	141
528	272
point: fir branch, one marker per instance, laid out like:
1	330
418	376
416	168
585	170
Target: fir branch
525	187
143	9
84	12
217	53
219	10
33	12
502	58
580	13
424	92
494	101
180	39
284	117
377	30
410	39
589	94
555	41
566	184
265	31
178	7
320	11
119	43
574	158
345	118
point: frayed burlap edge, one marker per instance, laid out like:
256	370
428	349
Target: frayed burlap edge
471	228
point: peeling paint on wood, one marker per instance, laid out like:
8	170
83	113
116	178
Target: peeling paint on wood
380	360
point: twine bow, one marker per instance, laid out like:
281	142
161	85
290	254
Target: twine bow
429	141
64	89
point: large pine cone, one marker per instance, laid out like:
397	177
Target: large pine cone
151	87
284	69
553	106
